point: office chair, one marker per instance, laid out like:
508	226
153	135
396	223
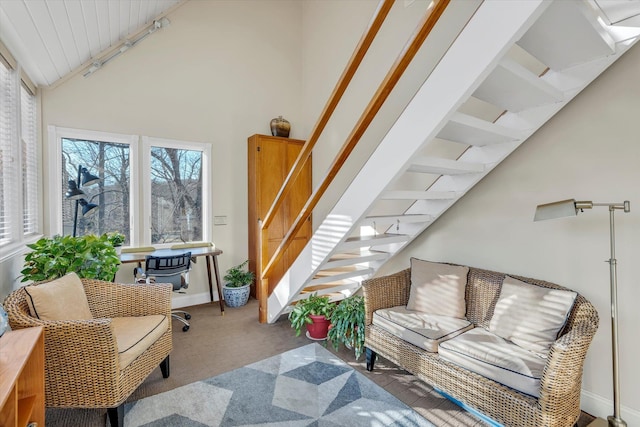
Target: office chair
172	269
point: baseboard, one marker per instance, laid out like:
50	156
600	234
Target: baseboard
598	406
186	300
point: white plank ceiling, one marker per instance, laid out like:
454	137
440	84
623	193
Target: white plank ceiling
54	38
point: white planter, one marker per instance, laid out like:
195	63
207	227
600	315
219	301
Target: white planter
236	297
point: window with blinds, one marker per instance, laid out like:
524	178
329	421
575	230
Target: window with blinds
19	200
29	162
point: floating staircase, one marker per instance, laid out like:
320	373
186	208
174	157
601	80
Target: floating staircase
512	67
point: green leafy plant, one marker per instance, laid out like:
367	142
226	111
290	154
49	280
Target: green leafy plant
301	314
347	324
116	238
237	276
90	256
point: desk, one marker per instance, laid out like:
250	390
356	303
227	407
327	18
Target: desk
209	253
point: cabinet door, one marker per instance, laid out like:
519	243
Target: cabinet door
270	160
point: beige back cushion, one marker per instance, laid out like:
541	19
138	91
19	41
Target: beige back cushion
530	316
60	299
438	288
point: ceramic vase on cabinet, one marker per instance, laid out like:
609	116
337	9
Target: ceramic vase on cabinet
280	127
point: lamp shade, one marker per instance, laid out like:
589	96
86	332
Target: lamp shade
556	210
88	178
73	192
88	209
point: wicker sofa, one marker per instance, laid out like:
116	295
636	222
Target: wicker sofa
84	366
558	403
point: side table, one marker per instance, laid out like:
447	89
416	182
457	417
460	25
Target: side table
22	378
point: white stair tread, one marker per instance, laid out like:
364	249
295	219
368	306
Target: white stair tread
514	88
358	272
470	130
418	195
345	259
367	241
566	35
392	219
438	166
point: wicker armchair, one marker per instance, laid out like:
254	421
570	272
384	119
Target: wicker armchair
82	367
559	401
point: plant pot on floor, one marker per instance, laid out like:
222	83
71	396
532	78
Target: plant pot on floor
319	328
236	296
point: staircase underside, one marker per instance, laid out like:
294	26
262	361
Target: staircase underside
512	67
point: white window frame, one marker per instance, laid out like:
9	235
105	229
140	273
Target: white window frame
140	158
205	149
17	237
56	134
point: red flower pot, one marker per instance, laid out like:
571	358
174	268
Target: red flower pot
319	328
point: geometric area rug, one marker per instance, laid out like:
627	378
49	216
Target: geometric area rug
307	386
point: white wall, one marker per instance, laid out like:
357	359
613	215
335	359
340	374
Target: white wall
223	69
589	151
218	74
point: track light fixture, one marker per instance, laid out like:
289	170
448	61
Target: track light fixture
127	44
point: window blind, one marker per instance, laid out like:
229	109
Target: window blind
8	134
29	162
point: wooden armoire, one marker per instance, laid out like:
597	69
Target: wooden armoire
270	158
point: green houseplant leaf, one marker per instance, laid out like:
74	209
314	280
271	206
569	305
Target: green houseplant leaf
90	256
237	276
347	324
314	305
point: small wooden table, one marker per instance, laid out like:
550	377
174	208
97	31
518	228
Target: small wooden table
22	377
210	254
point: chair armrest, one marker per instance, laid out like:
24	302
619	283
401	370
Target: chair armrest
108	299
385	292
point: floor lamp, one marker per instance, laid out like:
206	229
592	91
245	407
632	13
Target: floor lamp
85	178
571	208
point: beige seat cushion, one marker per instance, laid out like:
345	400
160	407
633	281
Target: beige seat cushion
491	356
530	316
438	288
136	334
420	329
60	299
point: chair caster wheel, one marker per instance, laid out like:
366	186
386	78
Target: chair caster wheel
185	328
187	316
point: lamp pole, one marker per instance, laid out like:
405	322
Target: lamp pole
615	420
75	214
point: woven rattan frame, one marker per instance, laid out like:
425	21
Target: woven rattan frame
81	356
559	401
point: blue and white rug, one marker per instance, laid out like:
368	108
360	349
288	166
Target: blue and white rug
308	386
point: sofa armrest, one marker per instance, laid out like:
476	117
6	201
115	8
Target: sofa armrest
385	292
562	377
108	299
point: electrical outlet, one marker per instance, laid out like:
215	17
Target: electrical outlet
219	220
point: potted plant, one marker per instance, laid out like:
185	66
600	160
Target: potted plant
313	312
90	256
116	238
236	287
347	324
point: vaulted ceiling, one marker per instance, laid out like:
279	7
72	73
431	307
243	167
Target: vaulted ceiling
53	39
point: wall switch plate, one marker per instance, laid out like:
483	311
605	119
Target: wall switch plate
219	220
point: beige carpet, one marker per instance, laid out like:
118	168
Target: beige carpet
216	344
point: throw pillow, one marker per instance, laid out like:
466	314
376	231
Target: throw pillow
530	316
60	299
438	288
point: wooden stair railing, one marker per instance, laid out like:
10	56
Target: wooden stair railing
424	28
